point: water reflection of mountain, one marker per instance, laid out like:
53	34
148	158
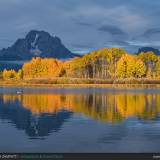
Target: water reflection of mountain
35	126
40	114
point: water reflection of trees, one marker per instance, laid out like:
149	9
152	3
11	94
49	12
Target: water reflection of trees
103	107
35	126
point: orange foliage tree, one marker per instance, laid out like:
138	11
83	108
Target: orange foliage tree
39	67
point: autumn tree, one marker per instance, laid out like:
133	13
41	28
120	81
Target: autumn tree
157	68
97	64
75	68
139	68
9	74
116	55
102	59
130	66
19	74
150	59
39	67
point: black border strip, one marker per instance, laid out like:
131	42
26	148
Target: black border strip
81	156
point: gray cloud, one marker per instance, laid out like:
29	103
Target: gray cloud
111	29
81	22
151	32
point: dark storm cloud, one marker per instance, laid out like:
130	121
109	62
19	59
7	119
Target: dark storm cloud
151	32
111	29
76	21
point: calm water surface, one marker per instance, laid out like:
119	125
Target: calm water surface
79	120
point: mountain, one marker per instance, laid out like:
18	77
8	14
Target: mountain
36	44
149	49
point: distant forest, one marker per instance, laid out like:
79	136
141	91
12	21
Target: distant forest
105	63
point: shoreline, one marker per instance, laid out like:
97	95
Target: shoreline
22	84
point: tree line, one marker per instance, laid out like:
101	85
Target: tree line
101	64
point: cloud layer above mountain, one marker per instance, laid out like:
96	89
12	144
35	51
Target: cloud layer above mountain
84	25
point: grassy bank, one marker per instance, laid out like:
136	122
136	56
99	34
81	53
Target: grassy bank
81	83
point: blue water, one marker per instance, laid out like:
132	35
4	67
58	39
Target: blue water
79	120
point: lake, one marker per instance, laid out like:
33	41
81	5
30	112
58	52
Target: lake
79	120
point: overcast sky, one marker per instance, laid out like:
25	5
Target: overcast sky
84	25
